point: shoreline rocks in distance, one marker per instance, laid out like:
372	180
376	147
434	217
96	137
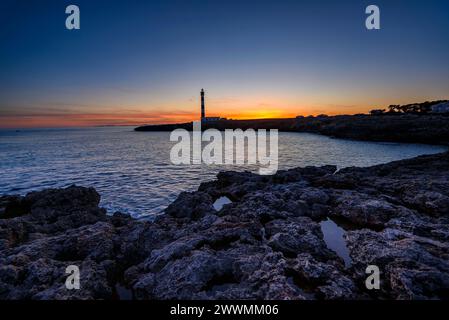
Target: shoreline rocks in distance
411	128
266	244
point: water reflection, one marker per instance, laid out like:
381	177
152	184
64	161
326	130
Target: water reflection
335	241
220	202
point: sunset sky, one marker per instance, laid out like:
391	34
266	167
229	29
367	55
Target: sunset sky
137	62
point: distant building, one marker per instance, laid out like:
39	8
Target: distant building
212	119
203	111
442	107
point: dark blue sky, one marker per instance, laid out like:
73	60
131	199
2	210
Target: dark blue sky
145	61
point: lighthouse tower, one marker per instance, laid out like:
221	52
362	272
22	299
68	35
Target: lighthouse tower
203	111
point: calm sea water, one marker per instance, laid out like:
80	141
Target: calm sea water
132	170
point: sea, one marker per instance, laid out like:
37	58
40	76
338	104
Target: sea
132	170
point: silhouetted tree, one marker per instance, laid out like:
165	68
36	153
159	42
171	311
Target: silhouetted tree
393	108
415	108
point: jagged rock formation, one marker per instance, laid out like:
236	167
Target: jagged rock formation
266	244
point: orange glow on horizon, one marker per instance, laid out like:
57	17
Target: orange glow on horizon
136	119
108	110
166	112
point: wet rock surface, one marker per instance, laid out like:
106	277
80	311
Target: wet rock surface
266	244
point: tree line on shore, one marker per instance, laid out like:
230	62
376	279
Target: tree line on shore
413	108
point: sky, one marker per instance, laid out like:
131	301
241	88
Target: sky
139	62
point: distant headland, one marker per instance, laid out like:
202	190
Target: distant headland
426	122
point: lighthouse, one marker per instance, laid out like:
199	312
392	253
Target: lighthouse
203	111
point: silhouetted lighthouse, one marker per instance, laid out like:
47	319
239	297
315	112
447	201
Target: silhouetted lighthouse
203	111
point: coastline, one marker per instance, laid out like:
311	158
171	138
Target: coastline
411	128
266	244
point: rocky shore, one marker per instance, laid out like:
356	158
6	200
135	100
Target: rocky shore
267	244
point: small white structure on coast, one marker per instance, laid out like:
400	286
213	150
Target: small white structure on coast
442	107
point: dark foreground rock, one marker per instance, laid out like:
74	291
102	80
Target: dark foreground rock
266	244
